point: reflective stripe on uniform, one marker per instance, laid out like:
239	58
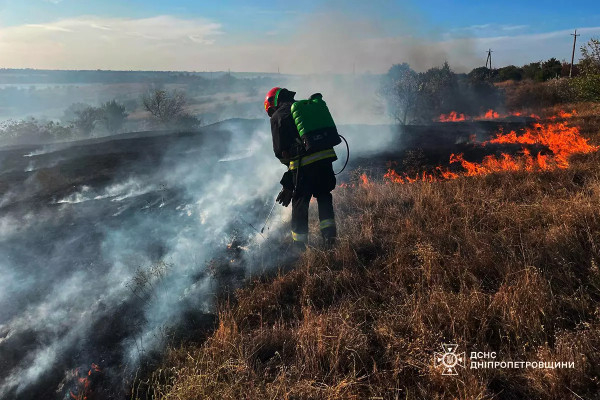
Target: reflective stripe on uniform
300	237
311	158
327	223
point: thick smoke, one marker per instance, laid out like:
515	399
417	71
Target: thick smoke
332	42
106	245
138	244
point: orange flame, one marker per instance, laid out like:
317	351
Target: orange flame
364	180
505	162
564	115
393	176
559	138
446	174
491	114
83	383
562	140
424	176
453	116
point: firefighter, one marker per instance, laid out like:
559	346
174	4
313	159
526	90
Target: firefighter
309	173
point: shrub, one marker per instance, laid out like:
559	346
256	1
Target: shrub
86	119
509	72
590	57
34	131
168	109
587	87
112	115
529	94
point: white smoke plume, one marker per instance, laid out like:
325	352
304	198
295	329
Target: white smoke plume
74	262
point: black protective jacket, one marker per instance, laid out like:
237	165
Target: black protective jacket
286	141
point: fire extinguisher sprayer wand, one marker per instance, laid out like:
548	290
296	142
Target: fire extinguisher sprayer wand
268	216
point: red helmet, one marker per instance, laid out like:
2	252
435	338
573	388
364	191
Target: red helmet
271	100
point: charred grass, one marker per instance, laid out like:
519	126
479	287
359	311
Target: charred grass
505	263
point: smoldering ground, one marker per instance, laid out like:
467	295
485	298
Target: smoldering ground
111	248
104	251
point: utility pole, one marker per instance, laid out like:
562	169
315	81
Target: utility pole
489	61
573	54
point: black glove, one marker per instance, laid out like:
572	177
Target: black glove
287	180
284	197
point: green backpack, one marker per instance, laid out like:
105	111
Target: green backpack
315	124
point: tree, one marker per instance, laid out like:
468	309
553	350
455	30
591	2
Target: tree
510	72
70	114
438	93
112	115
86	119
400	88
551	69
566	69
589	64
168	109
533	71
479	74
164	107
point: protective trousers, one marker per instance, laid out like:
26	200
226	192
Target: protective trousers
316	180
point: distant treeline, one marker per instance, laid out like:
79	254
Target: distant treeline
539	71
44	93
38	76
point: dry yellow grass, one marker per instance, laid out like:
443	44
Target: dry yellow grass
506	262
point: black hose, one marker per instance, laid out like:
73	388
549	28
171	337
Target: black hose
347	155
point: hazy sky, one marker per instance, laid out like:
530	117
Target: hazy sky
296	36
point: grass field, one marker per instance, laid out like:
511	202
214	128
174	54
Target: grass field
506	262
